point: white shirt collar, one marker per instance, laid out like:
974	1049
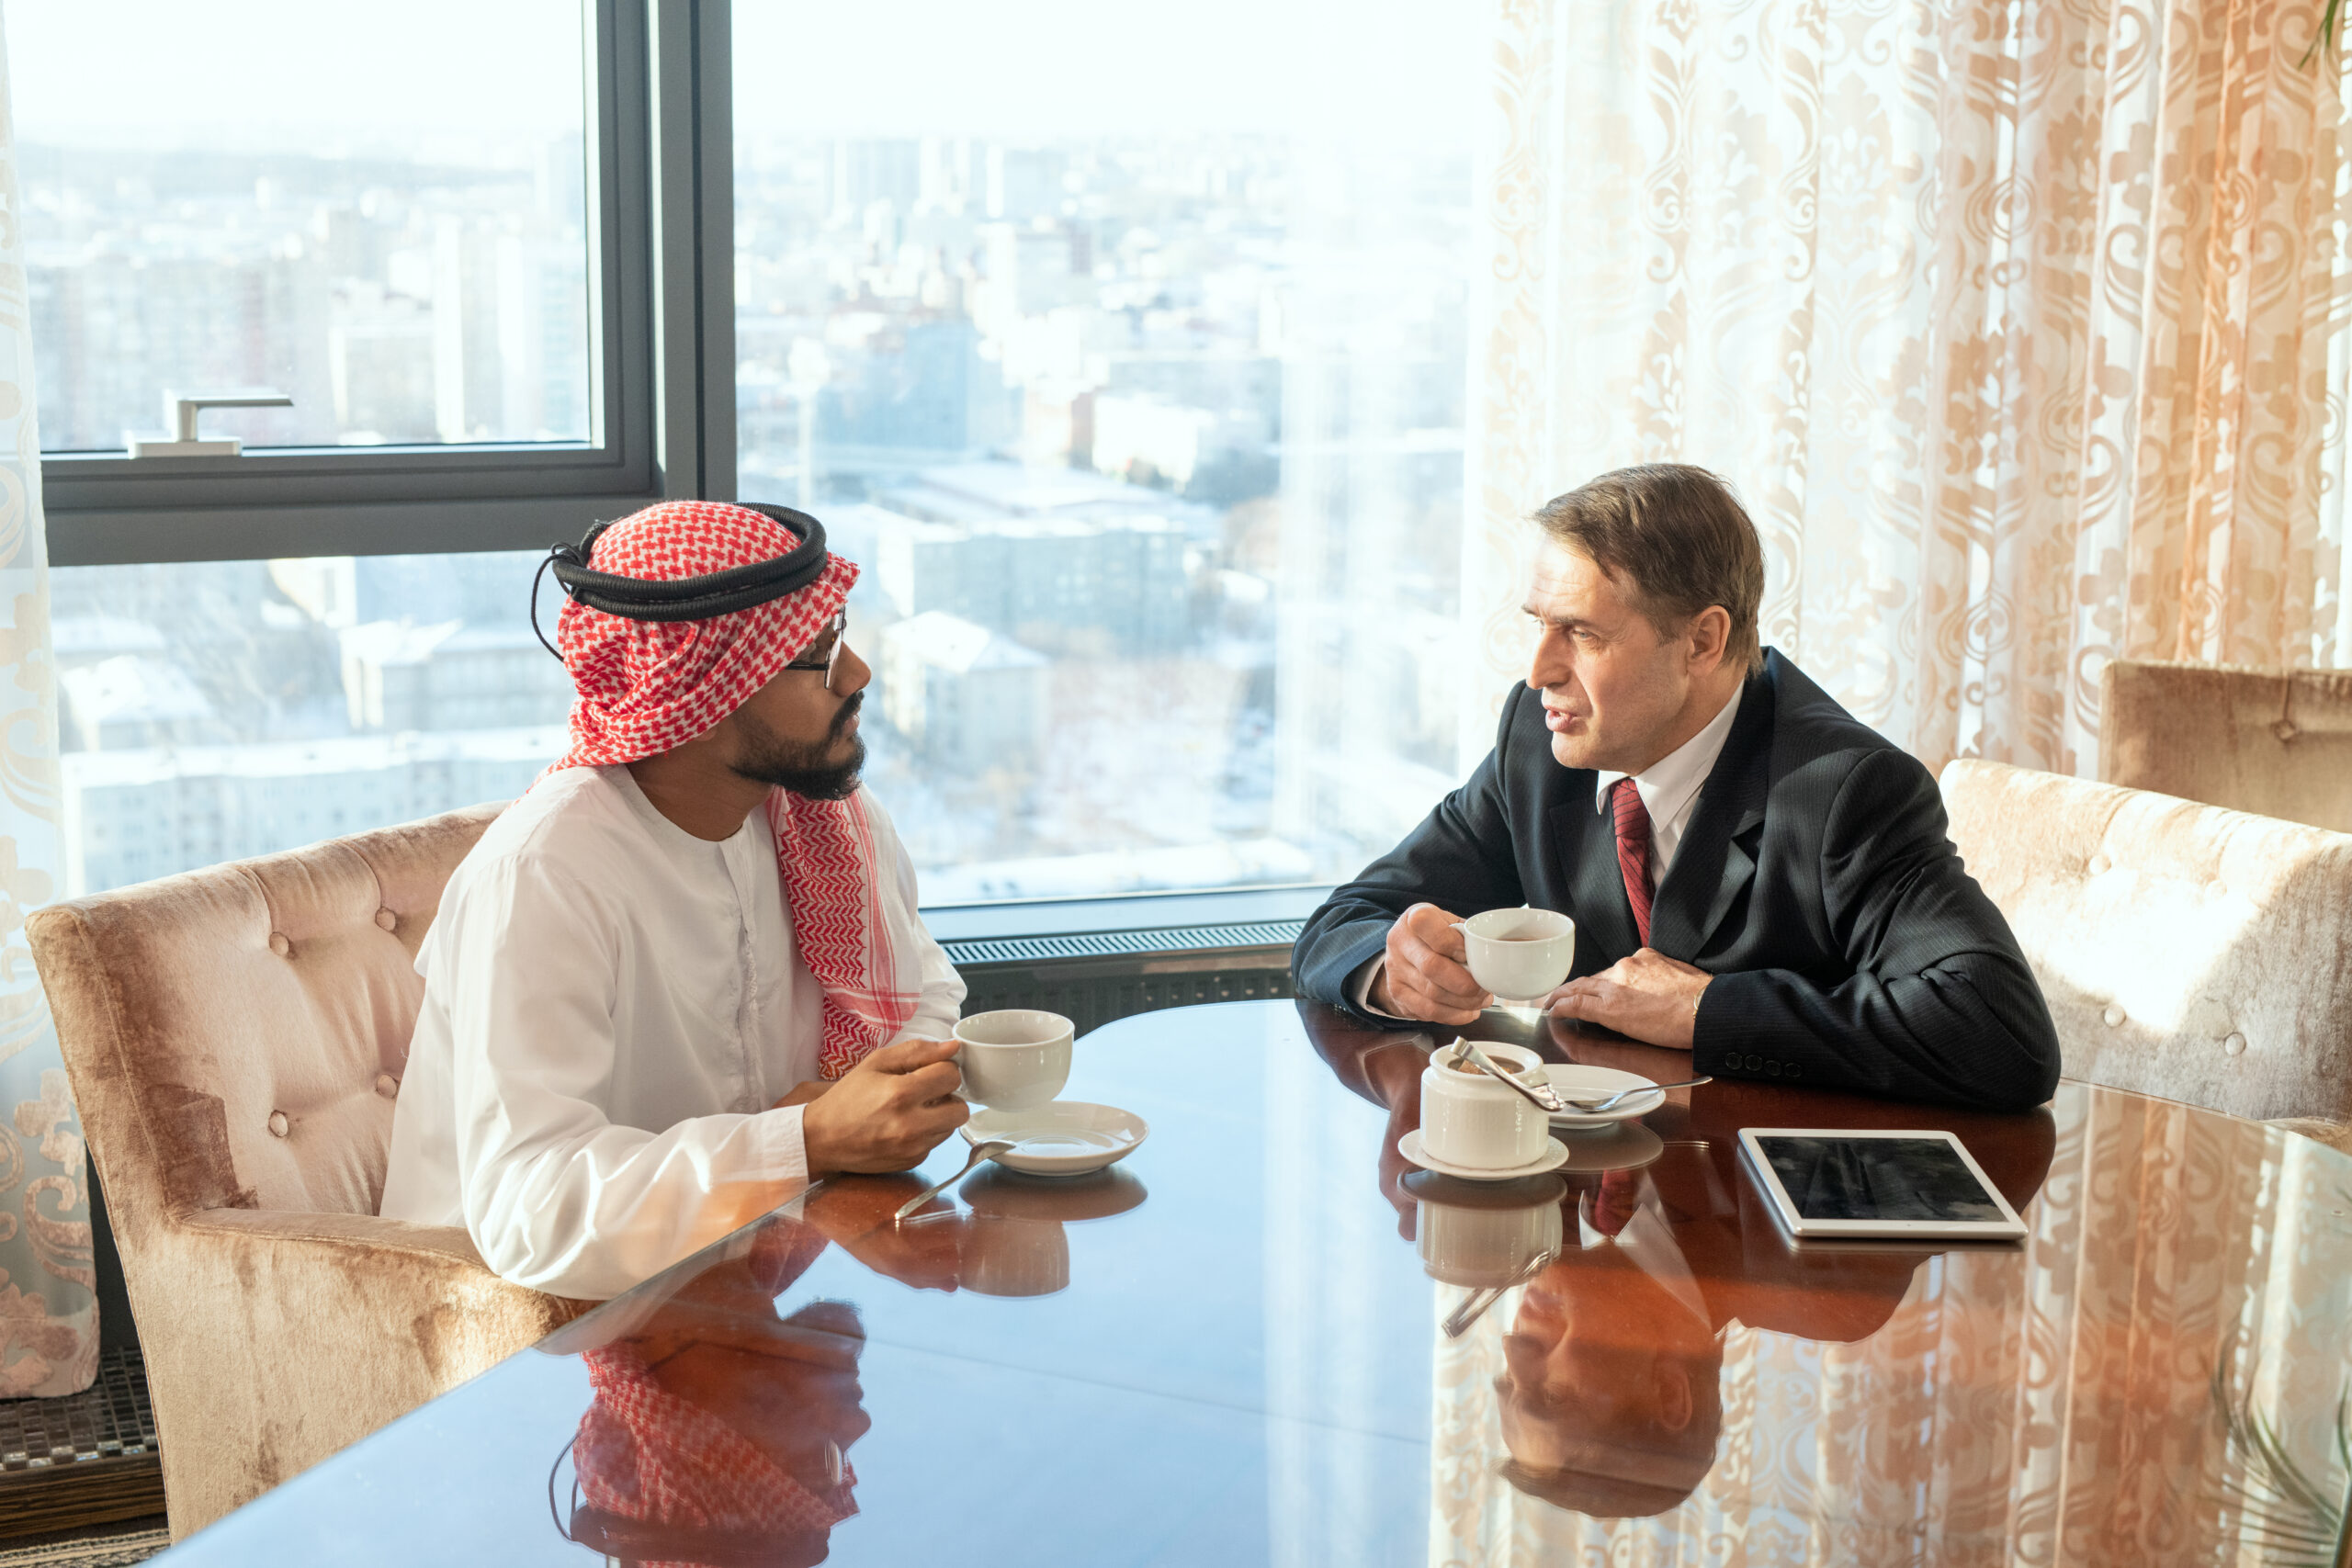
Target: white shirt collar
1669	785
1649	1242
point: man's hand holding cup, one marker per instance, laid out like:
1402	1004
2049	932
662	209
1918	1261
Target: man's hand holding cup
1426	973
887	1111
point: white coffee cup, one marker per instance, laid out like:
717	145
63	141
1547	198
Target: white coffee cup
1014	1058
1487	1233
1470	1120
1520	954
1000	1255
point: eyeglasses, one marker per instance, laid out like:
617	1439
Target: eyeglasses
825	661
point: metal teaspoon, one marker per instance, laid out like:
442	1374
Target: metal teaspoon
988	1150
1547	1100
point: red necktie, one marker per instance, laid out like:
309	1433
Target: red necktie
1634	851
1616	1203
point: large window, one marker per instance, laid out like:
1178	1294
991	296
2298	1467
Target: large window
226	203
430	234
212	710
1125	347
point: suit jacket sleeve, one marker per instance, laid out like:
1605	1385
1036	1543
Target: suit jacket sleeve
1460	859
1941	1005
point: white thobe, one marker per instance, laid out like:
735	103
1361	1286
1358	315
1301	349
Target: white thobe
612	1005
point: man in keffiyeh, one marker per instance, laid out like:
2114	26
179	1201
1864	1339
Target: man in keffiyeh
683	976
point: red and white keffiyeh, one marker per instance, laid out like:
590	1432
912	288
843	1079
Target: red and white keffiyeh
644	686
645	1454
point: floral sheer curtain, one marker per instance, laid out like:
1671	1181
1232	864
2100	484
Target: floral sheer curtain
2063	1403
48	1315
2021	328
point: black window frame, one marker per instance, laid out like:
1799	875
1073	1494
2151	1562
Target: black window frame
660	294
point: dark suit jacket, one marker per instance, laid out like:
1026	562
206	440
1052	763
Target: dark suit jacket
1815	882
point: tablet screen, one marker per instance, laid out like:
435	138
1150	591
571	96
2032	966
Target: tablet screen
1879	1178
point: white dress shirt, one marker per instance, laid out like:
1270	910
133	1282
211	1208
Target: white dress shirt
611	1006
1649	1241
1669	786
1669	791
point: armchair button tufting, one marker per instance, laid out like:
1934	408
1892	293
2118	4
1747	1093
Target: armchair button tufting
387	1085
2113	1015
278	1124
2101	865
279	945
2234	1044
387	920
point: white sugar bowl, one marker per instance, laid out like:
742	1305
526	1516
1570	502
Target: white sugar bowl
1471	1121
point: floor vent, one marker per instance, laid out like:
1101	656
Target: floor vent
1095	976
1259	935
85	1458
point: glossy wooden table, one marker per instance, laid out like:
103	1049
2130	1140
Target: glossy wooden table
1227	1351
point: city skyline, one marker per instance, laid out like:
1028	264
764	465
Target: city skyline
1149	448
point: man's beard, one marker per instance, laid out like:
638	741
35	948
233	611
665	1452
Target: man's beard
801	766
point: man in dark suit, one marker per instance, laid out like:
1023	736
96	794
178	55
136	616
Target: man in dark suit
1756	877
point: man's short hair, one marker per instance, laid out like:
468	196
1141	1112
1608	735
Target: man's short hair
1595	1462
1680	537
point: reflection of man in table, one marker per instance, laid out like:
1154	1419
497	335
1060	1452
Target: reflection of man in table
1611	1402
1610	1405
684	975
1614	1353
719	1431
1756	877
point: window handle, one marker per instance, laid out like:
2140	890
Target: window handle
180	411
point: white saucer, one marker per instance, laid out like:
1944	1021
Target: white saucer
1555	1154
1063	1137
1572	1078
1629	1147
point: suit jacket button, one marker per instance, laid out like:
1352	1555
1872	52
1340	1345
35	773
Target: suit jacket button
1793	1071
1755	1063
1731	1063
1773	1068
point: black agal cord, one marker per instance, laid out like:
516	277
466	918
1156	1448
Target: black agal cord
686	598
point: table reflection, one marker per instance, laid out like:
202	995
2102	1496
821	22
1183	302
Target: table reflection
1628	1273
719	1431
720	1426
1253	1365
1608	1401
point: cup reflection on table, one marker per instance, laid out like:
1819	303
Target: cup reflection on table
1483	1235
1011	1239
719	1432
1611	1401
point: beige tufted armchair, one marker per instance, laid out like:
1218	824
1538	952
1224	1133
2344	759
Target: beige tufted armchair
2271	741
236	1038
2193	952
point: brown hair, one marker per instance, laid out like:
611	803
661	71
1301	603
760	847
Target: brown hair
1680	535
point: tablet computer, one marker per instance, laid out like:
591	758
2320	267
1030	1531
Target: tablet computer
1841	1181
